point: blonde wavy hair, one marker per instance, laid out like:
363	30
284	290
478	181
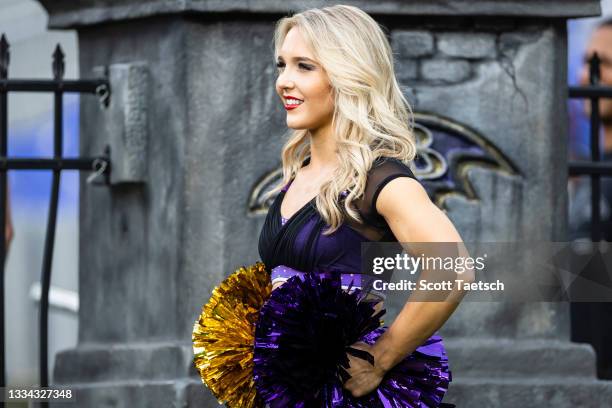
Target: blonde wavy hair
372	118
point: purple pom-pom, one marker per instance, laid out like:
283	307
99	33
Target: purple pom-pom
303	334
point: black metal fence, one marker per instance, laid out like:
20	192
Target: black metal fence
100	165
594	168
591	322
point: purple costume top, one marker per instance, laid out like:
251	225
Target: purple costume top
298	245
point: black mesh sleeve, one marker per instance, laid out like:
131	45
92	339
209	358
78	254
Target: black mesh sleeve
383	171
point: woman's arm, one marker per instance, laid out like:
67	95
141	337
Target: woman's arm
413	218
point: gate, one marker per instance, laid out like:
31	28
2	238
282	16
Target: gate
100	166
591	321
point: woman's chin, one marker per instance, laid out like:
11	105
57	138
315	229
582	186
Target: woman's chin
295	126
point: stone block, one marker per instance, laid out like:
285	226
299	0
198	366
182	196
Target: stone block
467	45
412	43
448	71
406	69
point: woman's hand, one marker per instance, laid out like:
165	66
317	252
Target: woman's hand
365	377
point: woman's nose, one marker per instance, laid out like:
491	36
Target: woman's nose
284	80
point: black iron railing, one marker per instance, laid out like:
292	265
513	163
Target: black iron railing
595	169
590	321
101	165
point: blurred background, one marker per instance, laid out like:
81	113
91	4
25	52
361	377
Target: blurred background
24	23
579	32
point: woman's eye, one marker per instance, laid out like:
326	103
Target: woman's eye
303	67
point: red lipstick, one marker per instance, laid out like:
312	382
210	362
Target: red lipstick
291	106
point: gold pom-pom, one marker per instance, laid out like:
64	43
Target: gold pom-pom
224	334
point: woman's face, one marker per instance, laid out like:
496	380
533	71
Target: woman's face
301	77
